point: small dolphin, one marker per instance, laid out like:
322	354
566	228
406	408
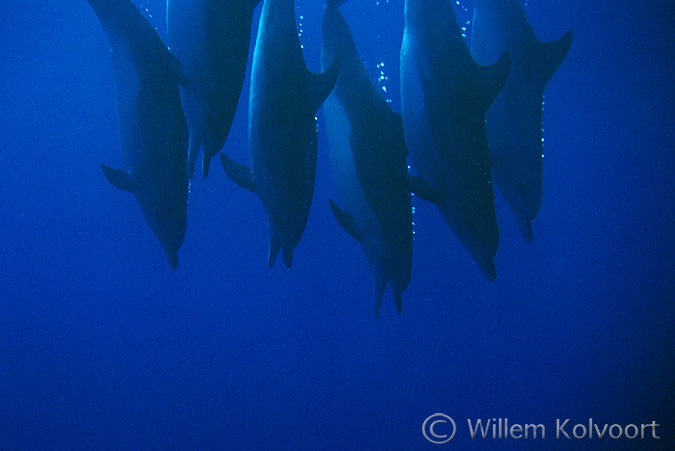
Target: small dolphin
211	38
369	155
284	98
153	131
444	97
514	121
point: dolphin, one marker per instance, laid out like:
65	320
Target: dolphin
444	97
368	155
211	38
283	101
514	121
152	128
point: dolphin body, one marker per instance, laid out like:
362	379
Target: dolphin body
514	121
283	101
153	131
369	155
444	97
211	38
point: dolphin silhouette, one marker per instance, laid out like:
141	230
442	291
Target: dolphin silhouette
153	131
444	97
514	121
283	101
211	38
369	159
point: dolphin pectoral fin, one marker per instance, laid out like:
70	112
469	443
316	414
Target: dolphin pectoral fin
419	187
491	79
118	178
347	221
321	85
551	55
240	174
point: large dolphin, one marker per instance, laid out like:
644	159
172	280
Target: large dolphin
369	155
444	97
514	121
153	131
284	98
211	38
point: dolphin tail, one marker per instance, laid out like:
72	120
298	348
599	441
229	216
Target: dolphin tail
240	174
206	164
398	300
491	79
193	152
275	245
550	56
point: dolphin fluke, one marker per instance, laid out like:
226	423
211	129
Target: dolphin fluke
275	245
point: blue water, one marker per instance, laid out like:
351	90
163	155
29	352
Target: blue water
102	346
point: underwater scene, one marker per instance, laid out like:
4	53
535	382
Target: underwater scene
337	225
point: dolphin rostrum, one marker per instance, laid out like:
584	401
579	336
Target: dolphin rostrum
369	156
283	101
153	131
514	121
444	97
211	38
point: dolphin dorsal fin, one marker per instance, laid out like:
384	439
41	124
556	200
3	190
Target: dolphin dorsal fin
550	56
118	178
240	174
320	85
173	66
419	187
347	221
491	79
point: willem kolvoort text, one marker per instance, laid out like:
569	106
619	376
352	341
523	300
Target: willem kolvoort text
499	428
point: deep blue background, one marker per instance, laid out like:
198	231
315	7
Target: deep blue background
103	347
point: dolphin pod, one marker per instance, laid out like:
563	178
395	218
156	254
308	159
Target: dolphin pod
514	121
283	100
152	128
211	38
463	120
